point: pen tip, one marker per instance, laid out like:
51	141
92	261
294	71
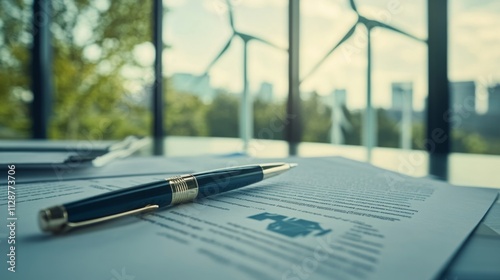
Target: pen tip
292	165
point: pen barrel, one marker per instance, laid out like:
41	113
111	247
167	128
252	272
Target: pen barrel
223	180
115	202
163	193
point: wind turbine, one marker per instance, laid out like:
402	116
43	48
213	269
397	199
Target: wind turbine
246	104
338	117
369	131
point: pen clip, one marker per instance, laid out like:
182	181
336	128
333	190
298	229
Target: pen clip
55	219
144	209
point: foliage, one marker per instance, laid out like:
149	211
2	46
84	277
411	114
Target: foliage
14	70
388	130
353	135
91	93
316	121
102	89
269	120
222	116
185	114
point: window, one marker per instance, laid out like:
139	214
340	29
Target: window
102	69
336	65
15	84
226	66
474	61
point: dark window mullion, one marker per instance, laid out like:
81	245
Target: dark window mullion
293	117
41	69
157	100
438	102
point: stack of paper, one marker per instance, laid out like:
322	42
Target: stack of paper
329	218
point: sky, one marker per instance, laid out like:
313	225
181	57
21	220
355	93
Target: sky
197	30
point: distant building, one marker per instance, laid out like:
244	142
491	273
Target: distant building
402	101
196	85
494	100
339	121
402	95
265	92
340	97
463	96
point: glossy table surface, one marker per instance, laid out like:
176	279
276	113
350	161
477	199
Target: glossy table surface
464	169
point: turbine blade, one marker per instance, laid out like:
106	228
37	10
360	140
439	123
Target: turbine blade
383	25
353	5
250	37
230	13
344	122
224	49
346	36
197	80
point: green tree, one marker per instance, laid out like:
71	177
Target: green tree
93	46
93	97
465	142
418	136
388	130
222	116
269	120
353	135
185	114
15	96
317	121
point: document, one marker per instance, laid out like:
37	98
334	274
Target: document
133	166
53	158
479	258
328	218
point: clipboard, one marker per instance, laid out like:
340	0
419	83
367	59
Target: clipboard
37	154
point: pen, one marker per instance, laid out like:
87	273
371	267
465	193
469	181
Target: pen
151	196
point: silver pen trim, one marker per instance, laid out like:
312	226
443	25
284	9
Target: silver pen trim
184	188
273	169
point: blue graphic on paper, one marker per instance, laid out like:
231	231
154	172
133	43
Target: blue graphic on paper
291	227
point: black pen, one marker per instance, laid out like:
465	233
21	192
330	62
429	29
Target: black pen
151	196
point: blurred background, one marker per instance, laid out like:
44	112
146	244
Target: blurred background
264	77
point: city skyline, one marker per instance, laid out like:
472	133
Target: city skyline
460	91
322	22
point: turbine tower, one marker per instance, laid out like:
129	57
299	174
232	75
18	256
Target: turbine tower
339	119
246	103
369	129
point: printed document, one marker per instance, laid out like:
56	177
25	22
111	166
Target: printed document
328	218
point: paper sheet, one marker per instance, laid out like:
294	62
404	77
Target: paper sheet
133	166
479	258
329	218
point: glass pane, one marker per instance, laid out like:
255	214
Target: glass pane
15	83
335	60
102	69
474	53
206	69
